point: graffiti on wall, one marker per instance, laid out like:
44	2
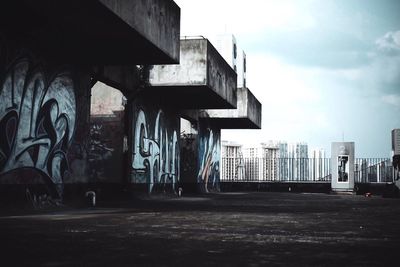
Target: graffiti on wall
155	151
99	153
37	121
209	155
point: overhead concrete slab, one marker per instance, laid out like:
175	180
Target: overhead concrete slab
202	79
95	31
247	115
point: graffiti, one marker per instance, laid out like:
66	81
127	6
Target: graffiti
156	154
99	153
209	154
37	121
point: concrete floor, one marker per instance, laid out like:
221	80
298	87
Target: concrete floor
228	229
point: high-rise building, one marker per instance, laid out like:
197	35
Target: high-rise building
294	162
253	162
232	162
261	162
283	161
270	161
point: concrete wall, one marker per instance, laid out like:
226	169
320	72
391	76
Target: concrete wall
221	76
48	63
203	78
157	20
247	115
342	164
43	120
155	162
102	32
209	151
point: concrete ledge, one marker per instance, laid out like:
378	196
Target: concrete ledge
203	79
247	115
95	31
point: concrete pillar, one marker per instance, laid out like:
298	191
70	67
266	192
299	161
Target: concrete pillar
44	111
154	144
208	176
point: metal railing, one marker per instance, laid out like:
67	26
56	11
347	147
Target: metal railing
256	169
378	170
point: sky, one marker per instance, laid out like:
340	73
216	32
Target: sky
323	70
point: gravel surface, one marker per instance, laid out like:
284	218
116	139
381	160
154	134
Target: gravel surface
227	229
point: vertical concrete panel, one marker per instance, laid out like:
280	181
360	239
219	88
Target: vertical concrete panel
342	162
189	161
155	146
209	151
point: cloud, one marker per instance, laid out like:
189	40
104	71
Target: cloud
389	43
391	99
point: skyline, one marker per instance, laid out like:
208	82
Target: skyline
322	70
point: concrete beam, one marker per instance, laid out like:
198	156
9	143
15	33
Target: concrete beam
124	78
106	32
203	79
247	115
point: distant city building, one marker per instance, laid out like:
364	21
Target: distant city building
232	162
284	161
253	162
262	162
270	161
294	161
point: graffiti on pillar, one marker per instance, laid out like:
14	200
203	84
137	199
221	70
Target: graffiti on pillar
37	121
155	151
209	155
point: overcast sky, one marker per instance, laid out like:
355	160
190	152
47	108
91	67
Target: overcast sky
321	69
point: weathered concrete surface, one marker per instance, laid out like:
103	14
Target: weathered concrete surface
241	229
124	78
96	31
202	79
156	20
247	115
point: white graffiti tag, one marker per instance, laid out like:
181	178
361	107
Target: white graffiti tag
37	120
158	157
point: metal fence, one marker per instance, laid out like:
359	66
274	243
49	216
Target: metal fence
378	170
240	169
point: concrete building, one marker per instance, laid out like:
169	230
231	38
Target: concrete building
232	162
271	161
396	142
50	61
396	156
253	162
294	161
56	144
226	45
211	102
262	162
